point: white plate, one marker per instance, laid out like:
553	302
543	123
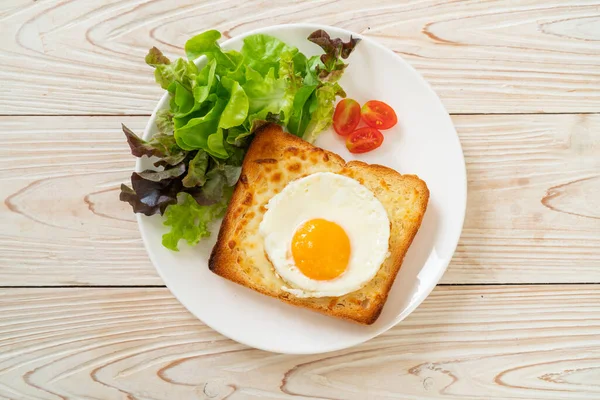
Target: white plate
423	142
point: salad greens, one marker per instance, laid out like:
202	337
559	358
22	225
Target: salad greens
213	113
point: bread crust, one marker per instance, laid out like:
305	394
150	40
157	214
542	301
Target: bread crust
274	159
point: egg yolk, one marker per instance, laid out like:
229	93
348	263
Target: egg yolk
321	249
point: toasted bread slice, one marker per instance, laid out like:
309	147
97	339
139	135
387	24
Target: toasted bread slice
276	158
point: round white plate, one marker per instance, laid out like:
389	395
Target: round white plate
423	142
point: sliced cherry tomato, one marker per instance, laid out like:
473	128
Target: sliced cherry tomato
378	115
346	116
363	140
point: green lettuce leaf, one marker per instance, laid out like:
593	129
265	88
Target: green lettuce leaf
194	135
321	110
164	122
205	83
293	67
237	136
213	189
186	102
236	110
263	52
219	178
183	100
155	57
196	174
312	67
205	44
300	110
215	146
238	71
268	95
167	73
236	153
190	221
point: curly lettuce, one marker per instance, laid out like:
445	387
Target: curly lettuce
190	221
213	113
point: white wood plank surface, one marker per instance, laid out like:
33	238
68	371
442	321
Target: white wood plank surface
62	222
533	212
520	342
87	56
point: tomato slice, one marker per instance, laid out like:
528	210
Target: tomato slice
363	140
346	116
379	115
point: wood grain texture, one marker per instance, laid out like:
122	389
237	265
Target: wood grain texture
61	220
533	213
489	343
87	57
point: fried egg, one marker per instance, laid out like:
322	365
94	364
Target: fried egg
325	235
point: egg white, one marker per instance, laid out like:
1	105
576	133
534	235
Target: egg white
336	198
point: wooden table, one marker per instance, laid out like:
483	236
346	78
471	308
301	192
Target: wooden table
83	314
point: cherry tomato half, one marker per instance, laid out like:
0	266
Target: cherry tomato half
378	115
363	140
346	116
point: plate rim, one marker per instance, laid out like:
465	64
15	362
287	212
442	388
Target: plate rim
415	302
